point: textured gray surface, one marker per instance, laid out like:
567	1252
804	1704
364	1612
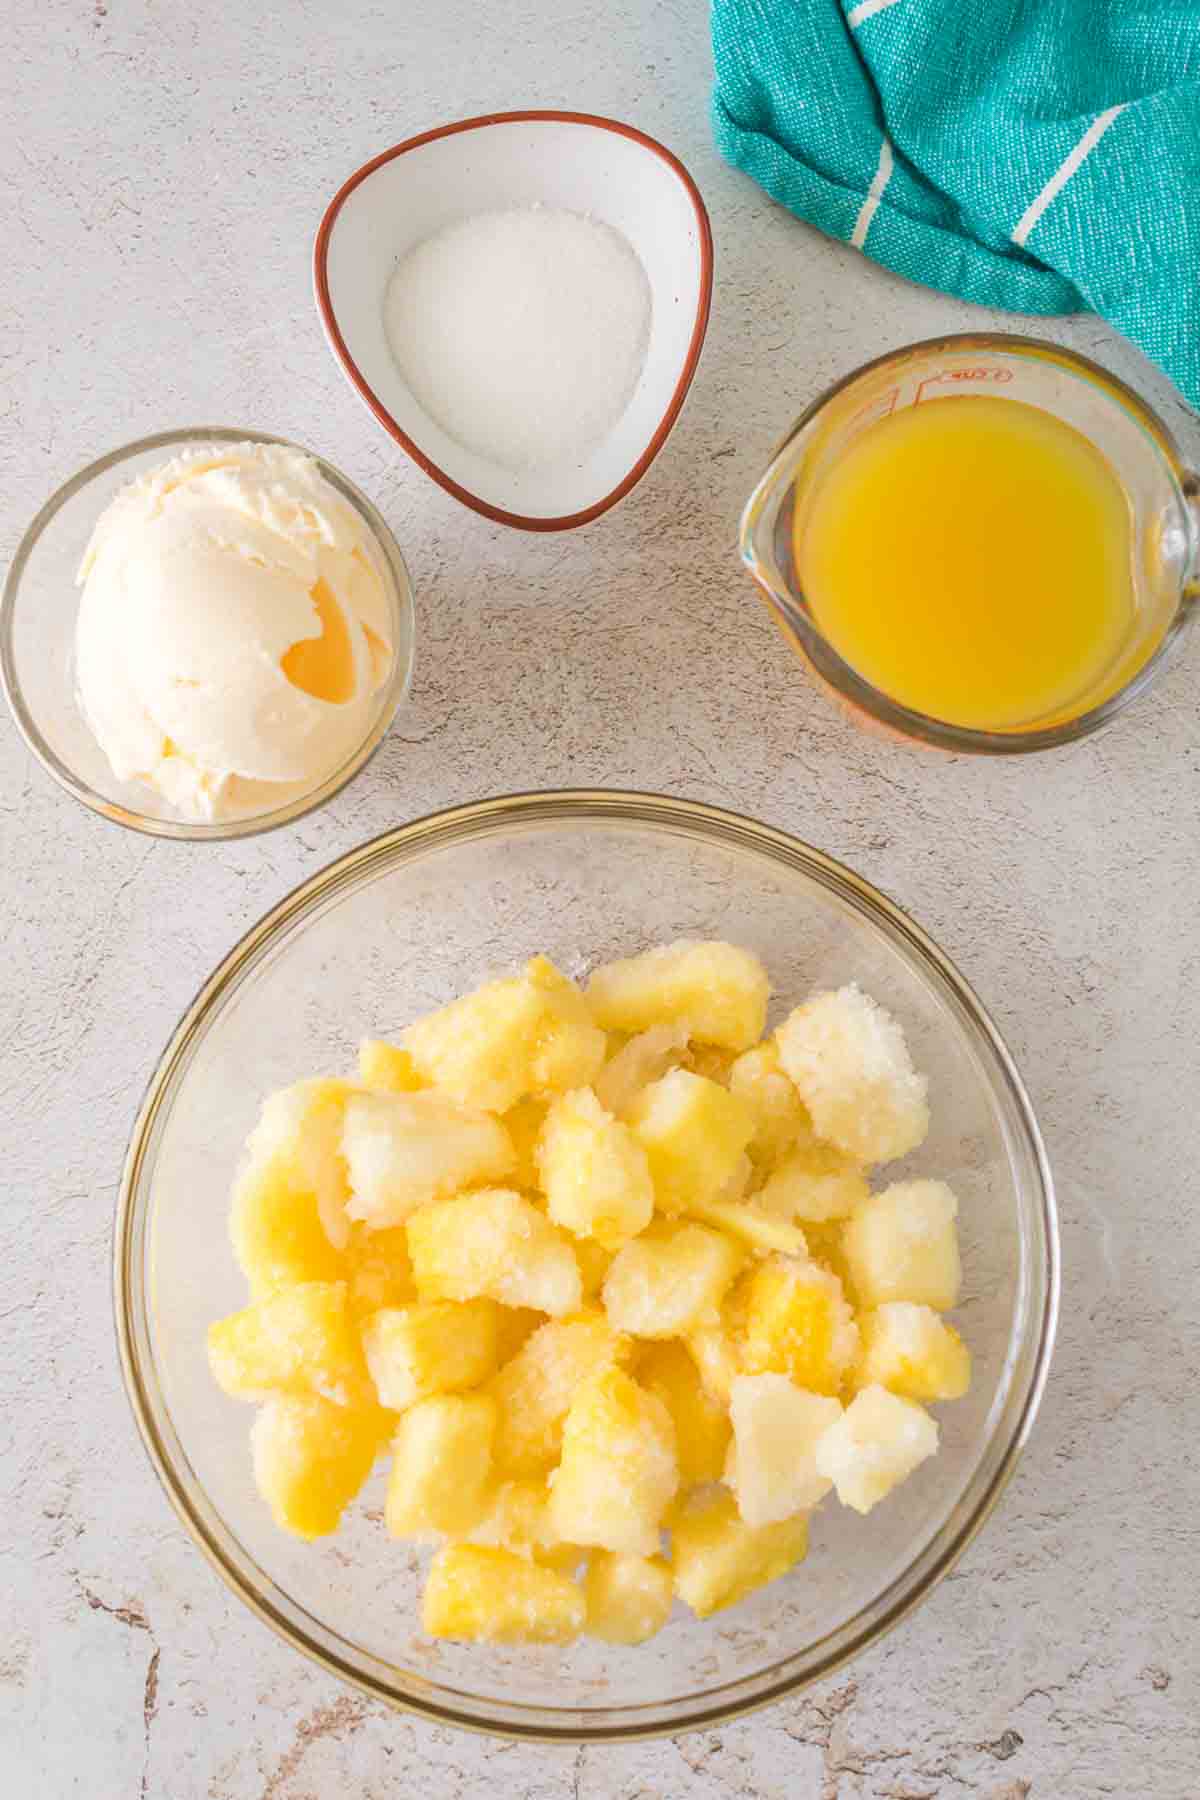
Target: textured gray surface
165	167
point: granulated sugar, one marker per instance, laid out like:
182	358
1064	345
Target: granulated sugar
522	332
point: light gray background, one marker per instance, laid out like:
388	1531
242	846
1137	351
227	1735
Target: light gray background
165	166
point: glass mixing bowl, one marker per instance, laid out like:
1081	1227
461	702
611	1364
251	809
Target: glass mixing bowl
404	924
38	612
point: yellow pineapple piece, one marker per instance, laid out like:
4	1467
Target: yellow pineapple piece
527	1035
523	1123
441	1465
717	991
878	1441
813	1185
850	1062
493	1244
277	1234
628	1598
534	1390
594	1172
772	1461
515	1325
378	1272
715	1354
702	1429
750	1223
618	1472
795	1321
911	1351
594	1263
694	1134
288	1218
434	1347
636	1062
781	1120
719	1559
902	1244
386	1066
518	1519
311	1457
298	1340
487	1595
404	1150
670	1279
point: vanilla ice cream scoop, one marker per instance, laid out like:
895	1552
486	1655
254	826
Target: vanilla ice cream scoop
233	627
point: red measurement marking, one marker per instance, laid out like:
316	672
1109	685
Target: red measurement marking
982	374
878	409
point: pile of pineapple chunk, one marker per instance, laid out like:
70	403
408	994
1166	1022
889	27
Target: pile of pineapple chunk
601	1271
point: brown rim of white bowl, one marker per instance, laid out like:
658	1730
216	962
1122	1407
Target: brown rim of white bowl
522	522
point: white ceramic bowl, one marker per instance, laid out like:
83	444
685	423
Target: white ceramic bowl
588	165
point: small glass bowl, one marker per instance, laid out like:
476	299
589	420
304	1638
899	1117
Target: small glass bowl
407	922
37	642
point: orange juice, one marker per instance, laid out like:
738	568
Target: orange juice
971	558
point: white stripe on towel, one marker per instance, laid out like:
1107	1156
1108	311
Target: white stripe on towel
1064	172
883	174
866	9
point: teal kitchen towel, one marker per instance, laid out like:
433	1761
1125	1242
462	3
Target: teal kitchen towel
1037	155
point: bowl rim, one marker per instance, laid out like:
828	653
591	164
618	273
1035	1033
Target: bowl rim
341	350
1029	1350
391	695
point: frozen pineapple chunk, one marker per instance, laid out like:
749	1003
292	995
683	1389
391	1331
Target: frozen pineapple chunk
850	1063
878	1441
772	1460
530	1034
435	1347
902	1244
628	1598
493	1244
487	1595
795	1321
618	1472
712	1349
441	1465
311	1456
276	1230
750	1223
404	1150
298	1341
386	1066
594	1172
523	1123
693	1133
518	1519
701	1425
378	1272
813	1185
716	991
909	1350
534	1390
669	1279
781	1120
719	1559
287	1218
640	1060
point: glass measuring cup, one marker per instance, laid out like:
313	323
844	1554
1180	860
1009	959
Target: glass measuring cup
1163	498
